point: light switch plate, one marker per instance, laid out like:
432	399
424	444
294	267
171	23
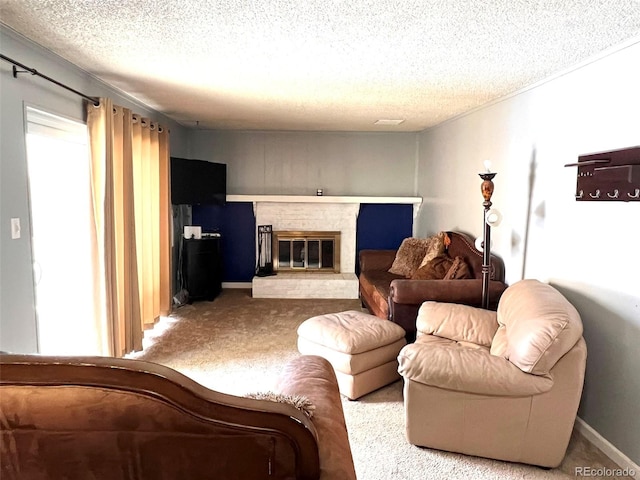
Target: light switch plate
15	228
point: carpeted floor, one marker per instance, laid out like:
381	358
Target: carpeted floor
237	344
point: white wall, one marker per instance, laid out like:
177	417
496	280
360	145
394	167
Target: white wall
588	250
17	310
298	163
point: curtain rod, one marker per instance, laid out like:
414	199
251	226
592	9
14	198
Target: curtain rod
33	71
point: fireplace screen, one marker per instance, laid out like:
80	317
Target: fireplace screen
307	251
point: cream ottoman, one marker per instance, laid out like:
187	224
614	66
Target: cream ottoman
363	349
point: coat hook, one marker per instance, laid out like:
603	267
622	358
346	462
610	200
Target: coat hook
614	195
597	194
580	195
636	194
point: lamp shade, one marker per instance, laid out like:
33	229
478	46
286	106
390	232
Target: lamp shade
479	244
493	217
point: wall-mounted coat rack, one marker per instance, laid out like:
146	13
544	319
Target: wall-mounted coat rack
609	176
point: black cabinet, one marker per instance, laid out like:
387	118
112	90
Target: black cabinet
202	268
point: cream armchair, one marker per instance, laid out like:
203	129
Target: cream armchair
503	385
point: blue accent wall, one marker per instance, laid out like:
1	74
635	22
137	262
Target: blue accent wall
382	226
237	226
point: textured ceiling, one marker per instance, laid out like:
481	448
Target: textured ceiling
322	64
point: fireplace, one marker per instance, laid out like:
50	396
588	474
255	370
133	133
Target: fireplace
306	269
313	248
297	251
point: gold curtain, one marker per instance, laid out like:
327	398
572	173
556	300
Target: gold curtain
130	188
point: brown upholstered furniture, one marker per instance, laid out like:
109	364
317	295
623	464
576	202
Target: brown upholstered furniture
106	418
503	385
398	298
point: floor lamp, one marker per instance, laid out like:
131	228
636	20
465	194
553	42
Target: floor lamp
487	191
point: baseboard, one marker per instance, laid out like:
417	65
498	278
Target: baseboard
605	446
236	285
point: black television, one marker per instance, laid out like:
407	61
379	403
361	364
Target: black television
198	182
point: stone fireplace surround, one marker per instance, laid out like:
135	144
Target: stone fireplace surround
314	213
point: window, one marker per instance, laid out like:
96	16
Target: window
60	209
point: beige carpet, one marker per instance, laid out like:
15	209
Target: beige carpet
237	344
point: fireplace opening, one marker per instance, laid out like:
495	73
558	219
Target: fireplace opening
307	251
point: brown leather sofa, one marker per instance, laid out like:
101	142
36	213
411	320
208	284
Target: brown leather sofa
107	418
398	298
503	385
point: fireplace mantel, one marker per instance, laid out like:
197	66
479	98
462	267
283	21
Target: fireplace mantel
323	199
